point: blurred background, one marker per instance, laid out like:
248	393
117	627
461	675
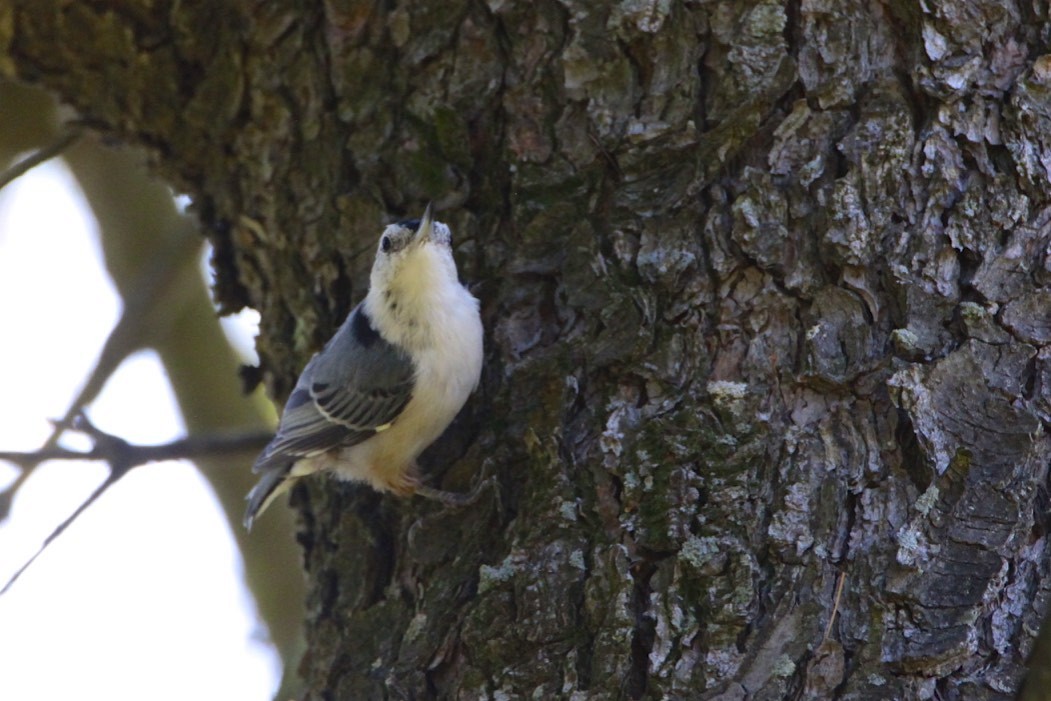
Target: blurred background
155	591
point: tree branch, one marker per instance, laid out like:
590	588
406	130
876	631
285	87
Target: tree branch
156	279
121	456
188	448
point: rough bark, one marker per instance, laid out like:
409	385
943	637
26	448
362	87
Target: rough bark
766	293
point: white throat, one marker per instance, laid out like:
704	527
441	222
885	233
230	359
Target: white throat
410	306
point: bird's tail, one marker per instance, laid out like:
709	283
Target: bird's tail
272	484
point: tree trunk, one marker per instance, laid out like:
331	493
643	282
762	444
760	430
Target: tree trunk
766	291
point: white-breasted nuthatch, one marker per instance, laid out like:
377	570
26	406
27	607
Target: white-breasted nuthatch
389	382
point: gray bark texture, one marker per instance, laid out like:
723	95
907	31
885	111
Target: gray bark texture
767	291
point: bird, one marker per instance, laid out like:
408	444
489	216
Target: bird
391	379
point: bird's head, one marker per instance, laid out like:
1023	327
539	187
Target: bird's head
413	272
413	254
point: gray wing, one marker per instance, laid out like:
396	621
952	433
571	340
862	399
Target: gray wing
356	385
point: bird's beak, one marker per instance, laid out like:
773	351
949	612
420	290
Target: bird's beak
423	234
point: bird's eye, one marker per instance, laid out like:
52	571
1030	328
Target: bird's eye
385	244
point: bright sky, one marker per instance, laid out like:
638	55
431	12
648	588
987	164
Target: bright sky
136	600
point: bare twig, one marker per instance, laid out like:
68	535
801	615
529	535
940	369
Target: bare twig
122	457
37	157
835	604
110	480
189	448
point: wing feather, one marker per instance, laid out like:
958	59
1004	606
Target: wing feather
357	384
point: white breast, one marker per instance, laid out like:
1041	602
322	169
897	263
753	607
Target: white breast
448	368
